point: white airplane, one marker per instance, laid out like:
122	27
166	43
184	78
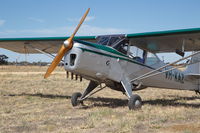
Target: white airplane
125	62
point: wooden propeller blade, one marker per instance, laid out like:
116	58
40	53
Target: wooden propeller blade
81	21
56	60
64	48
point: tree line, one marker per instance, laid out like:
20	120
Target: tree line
4	61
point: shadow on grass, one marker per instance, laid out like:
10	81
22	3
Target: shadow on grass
115	102
52	96
175	102
99	101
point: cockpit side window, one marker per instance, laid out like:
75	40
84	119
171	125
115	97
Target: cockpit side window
137	54
151	59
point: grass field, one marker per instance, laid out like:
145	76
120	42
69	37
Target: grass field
29	103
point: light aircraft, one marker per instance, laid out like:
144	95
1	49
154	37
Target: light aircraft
124	62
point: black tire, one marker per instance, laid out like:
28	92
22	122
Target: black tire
135	102
74	99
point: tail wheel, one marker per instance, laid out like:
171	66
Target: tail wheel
135	102
74	99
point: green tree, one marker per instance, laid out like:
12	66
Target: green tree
3	60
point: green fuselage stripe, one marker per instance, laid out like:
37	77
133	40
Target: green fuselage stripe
116	57
102	47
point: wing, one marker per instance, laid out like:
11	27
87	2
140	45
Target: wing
167	41
28	45
156	42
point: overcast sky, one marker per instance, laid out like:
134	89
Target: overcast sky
44	18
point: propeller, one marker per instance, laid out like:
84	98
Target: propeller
67	45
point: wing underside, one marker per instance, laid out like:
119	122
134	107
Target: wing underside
46	44
167	41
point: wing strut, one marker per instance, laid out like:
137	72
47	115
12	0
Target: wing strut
153	72
44	52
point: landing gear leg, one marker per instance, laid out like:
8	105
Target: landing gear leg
135	101
78	98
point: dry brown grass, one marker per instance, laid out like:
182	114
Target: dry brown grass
29	103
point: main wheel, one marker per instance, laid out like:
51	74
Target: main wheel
74	99
135	102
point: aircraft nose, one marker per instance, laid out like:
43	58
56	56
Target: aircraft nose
71	59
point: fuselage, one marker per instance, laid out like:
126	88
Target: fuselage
105	64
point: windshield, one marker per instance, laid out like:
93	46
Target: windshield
103	40
118	42
109	40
